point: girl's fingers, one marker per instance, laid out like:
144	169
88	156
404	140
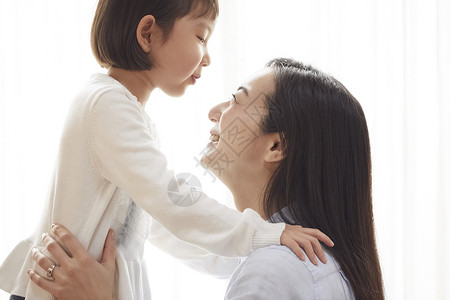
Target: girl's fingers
309	239
318	250
319	235
310	253
287	239
293	245
43	261
55	249
70	242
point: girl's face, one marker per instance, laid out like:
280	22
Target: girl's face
237	152
178	61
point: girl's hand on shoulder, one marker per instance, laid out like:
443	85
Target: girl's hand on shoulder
78	276
296	237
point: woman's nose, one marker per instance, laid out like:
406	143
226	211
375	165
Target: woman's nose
215	113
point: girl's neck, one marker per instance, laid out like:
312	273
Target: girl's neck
137	82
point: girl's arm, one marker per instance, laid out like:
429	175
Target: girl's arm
199	259
123	152
195	257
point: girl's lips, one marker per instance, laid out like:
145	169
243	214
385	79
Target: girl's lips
195	78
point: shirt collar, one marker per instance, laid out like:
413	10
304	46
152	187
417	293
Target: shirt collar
277	218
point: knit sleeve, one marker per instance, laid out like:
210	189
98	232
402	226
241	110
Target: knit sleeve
124	154
191	255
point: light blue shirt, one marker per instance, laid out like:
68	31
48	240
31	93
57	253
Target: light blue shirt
275	272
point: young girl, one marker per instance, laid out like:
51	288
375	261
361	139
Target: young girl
110	173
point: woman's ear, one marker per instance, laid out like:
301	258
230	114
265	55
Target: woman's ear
274	151
145	29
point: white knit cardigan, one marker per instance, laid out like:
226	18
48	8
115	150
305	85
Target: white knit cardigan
107	157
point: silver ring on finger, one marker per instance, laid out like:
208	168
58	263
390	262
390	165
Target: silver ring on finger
50	272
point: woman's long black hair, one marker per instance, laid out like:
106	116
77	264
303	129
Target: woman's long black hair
324	179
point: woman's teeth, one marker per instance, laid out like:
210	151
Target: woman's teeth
214	138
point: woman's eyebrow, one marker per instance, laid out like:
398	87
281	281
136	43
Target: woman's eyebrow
244	89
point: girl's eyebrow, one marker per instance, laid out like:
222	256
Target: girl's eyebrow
205	25
244	89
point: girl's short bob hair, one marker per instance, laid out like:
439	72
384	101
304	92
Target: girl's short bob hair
113	33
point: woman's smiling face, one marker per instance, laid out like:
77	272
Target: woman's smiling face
237	147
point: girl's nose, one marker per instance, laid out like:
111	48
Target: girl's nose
206	61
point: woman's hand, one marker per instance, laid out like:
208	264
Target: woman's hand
296	237
79	276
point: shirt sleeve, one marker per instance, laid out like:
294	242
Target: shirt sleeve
194	257
269	274
123	152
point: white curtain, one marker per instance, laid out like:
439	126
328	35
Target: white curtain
394	56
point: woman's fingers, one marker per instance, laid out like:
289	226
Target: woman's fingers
42	282
69	240
43	261
109	252
79	276
55	249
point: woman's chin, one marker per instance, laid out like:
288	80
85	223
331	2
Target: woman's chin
205	160
207	164
208	154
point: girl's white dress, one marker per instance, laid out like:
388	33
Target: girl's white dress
108	156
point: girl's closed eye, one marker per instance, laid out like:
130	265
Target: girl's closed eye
202	40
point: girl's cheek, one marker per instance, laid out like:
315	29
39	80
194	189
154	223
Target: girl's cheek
199	53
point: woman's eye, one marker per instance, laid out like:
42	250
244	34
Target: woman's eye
202	40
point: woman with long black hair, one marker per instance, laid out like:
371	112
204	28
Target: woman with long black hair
322	179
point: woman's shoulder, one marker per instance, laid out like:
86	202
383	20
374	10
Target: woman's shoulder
277	267
283	259
271	272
